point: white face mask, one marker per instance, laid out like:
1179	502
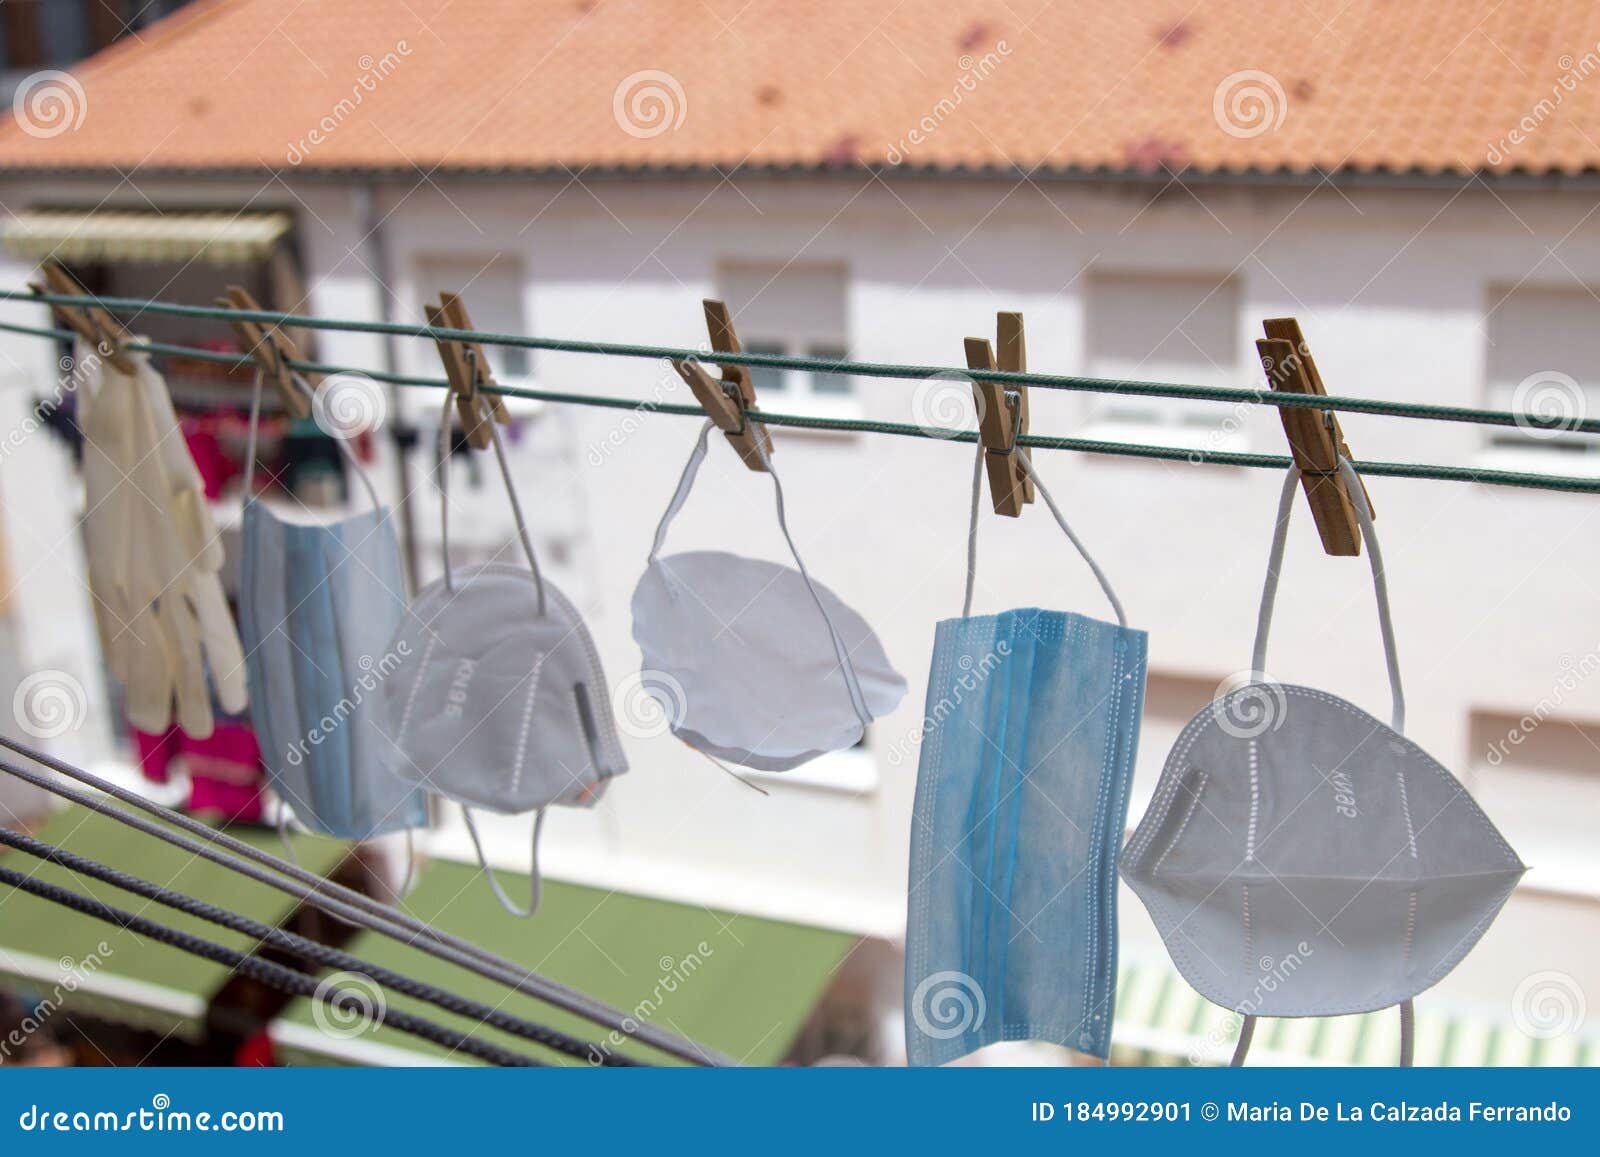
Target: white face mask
1300	858
500	700
754	662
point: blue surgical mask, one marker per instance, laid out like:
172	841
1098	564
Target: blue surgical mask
318	606
1031	729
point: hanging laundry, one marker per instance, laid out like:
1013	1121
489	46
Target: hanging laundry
755	662
224	769
498	699
318	606
1301	858
1032	725
154	556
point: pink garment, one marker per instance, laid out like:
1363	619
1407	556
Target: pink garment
217	468
156	753
233	803
225	775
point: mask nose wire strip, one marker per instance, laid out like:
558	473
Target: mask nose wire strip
536	882
1077	543
266	972
310	950
346	904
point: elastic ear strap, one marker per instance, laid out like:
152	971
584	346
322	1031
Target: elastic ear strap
250	443
536	885
841	652
972	530
516	513
1408	1033
681	494
445	427
1247	1033
444	492
1077	543
1380	584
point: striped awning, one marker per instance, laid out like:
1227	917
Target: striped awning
100	235
1162	1021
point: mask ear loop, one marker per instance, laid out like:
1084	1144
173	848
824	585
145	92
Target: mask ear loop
536	882
250	441
511	494
1038	484
1380	584
1258	658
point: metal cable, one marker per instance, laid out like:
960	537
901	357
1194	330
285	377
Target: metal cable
346	904
312	951
1557	482
841	366
268	973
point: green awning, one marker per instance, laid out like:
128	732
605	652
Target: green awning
739	984
108	235
1162	1021
84	964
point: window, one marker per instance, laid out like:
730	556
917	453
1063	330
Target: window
493	289
798	311
851	771
1543	350
1170	328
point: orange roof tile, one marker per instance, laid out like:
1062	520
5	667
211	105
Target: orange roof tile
1299	85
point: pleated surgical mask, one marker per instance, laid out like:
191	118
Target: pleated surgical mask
1031	728
1301	858
754	662
318	608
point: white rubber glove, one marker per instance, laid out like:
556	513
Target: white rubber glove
154	556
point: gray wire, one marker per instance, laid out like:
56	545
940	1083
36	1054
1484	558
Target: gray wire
308	949
347	904
265	971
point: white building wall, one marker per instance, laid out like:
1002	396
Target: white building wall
1492	588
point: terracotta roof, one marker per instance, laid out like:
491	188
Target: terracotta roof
1213	85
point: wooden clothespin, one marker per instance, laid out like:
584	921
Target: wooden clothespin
271	349
1003	414
89	321
468	370
1315	438
728	399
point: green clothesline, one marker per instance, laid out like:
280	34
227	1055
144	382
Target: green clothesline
840	366
1561	483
